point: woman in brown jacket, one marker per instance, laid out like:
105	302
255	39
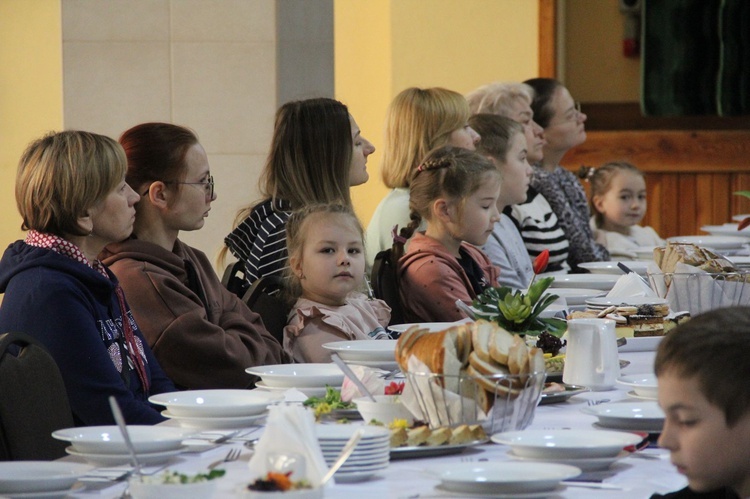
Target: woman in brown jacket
203	335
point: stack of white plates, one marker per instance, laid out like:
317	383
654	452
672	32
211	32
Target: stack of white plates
639	267
104	445
718	243
216	409
371	454
639	416
310	379
726	230
601	282
370	353
584	449
40	478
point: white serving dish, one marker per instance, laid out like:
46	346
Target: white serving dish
340	433
144	458
385	409
632	301
715	242
430	326
504	477
299	375
215	423
639	267
639	415
316	493
726	230
576	296
583	463
603	282
310	391
566	444
644	385
17	477
147	490
108	439
216	403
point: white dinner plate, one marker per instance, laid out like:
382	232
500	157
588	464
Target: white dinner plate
50	494
216	403
644	253
416	451
144	458
632	301
639	415
341	433
639	267
726	230
356	476
741	262
715	242
494	495
39	476
568	444
585	463
299	375
310	391
504	477
367	350
215	423
641	344
430	326
576	296
644	385
634	395
386	365
108	439
603	282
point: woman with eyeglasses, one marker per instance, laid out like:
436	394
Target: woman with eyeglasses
203	335
563	123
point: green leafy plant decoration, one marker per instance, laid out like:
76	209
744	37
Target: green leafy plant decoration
518	312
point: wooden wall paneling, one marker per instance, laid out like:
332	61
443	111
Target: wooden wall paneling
668	207
654	199
720	209
687	200
739	204
547	62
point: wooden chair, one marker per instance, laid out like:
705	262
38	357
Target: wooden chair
33	401
265	298
234	278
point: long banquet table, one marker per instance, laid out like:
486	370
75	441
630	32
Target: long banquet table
637	477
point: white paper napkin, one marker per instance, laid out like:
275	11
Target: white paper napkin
372	379
631	285
290	428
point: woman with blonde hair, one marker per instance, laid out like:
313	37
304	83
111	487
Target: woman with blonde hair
418	121
73	198
317	154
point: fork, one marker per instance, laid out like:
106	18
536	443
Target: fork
232	455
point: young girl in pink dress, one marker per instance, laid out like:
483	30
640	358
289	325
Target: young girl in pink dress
326	270
455	191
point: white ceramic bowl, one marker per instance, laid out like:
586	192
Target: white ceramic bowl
385	409
644	385
566	444
430	326
364	350
603	282
504	477
145	458
147	490
215	423
299	375
216	403
18	477
108	439
316	493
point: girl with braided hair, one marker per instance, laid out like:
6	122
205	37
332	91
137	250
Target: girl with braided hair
455	191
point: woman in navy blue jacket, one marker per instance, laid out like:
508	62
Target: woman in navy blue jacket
72	195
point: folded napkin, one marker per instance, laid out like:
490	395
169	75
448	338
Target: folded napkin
290	428
370	377
631	285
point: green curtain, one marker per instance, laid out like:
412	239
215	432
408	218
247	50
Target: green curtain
696	57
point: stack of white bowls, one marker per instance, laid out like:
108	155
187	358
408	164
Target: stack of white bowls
104	445
216	409
371	454
310	379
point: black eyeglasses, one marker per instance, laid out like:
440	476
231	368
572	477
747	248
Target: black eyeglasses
208	185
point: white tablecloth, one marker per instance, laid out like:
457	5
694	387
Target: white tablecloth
410	478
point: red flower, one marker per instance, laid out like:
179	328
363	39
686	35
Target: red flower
394	388
541	261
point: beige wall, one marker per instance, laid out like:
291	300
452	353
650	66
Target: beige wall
30	91
385	46
594	69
